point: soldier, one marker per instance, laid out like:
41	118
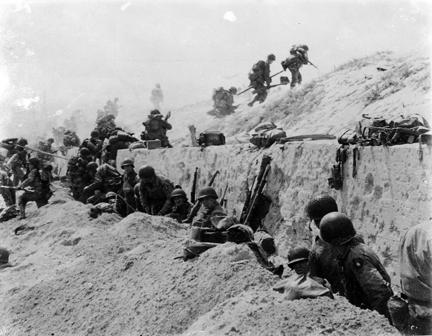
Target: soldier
77	174
34	182
260	79
211	212
18	162
106	126
98	197
8	194
107	178
180	205
154	192
301	285
366	282
156	128
46	179
298	57
71	139
47	148
94	145
322	260
416	278
223	101
157	97
126	202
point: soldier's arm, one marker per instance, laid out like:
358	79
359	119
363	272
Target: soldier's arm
167	189
29	180
167	125
143	200
376	290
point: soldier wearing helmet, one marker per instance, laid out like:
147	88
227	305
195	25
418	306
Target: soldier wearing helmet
34	183
153	192
301	285
260	79
18	161
297	58
156	128
79	174
180	206
93	144
126	203
106	178
211	212
223	101
366	282
322	260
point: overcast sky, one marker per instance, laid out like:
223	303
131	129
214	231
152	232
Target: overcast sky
77	54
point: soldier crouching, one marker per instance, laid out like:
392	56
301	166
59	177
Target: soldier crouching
34	182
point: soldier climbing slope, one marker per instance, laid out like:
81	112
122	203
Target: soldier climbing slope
298	56
367	283
223	101
156	128
18	162
260	79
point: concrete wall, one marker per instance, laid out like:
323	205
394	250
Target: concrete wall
391	192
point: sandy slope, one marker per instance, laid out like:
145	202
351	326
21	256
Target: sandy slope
329	103
75	276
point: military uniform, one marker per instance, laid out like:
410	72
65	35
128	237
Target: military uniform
323	264
7	193
17	163
416	277
77	174
366	282
107	179
180	212
260	80
156	128
209	217
33	181
298	57
127	203
155	199
223	101
94	145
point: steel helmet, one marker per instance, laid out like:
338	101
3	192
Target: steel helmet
146	172
320	206
178	193
22	142
297	254
336	228
271	57
50	140
94	134
110	194
207	192
92	165
127	162
84	151
4	256
154	112
233	90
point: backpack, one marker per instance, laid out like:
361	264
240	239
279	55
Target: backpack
266	135
211	138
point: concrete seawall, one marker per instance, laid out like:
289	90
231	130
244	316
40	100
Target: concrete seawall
391	192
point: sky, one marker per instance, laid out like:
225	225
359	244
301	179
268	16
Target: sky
58	56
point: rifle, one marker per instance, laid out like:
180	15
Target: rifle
259	186
312	64
248	198
197	205
250	87
213	178
46	153
16	188
257	193
223	199
194	183
168	115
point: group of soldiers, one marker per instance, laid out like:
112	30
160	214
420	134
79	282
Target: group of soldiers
21	172
260	80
